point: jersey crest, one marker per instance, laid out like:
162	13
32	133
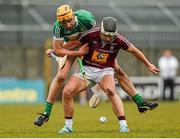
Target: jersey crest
99	57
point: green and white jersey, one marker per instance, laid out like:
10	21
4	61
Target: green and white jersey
84	21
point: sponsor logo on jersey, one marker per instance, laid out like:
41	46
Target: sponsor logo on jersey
100	57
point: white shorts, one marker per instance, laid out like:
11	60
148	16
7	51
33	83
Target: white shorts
95	74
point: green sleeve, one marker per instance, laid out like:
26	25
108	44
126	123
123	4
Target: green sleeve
87	18
57	30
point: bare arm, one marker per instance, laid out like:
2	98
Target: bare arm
140	56
72	44
61	51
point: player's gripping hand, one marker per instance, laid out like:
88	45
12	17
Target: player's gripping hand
84	49
152	68
48	51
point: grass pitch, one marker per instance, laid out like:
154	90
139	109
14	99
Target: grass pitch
163	122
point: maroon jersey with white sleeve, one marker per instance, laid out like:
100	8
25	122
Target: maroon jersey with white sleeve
102	54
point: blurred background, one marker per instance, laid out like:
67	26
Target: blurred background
26	31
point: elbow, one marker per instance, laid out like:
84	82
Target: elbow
132	49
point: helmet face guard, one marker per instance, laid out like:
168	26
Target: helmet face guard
109	26
64	12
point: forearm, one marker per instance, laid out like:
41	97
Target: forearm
139	55
71	45
62	52
142	58
59	49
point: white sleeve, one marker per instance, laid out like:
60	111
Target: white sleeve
60	39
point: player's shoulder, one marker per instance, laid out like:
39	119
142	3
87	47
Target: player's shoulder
57	24
58	27
121	37
82	13
122	41
94	30
92	33
85	17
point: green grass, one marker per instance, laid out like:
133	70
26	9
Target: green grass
163	122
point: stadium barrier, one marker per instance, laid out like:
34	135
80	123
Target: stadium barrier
151	87
21	91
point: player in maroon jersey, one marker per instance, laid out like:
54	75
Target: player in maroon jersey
123	79
104	44
106	47
99	69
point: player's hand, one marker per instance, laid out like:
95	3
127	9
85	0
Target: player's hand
84	49
153	69
48	51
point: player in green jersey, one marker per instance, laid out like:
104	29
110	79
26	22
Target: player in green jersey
69	26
